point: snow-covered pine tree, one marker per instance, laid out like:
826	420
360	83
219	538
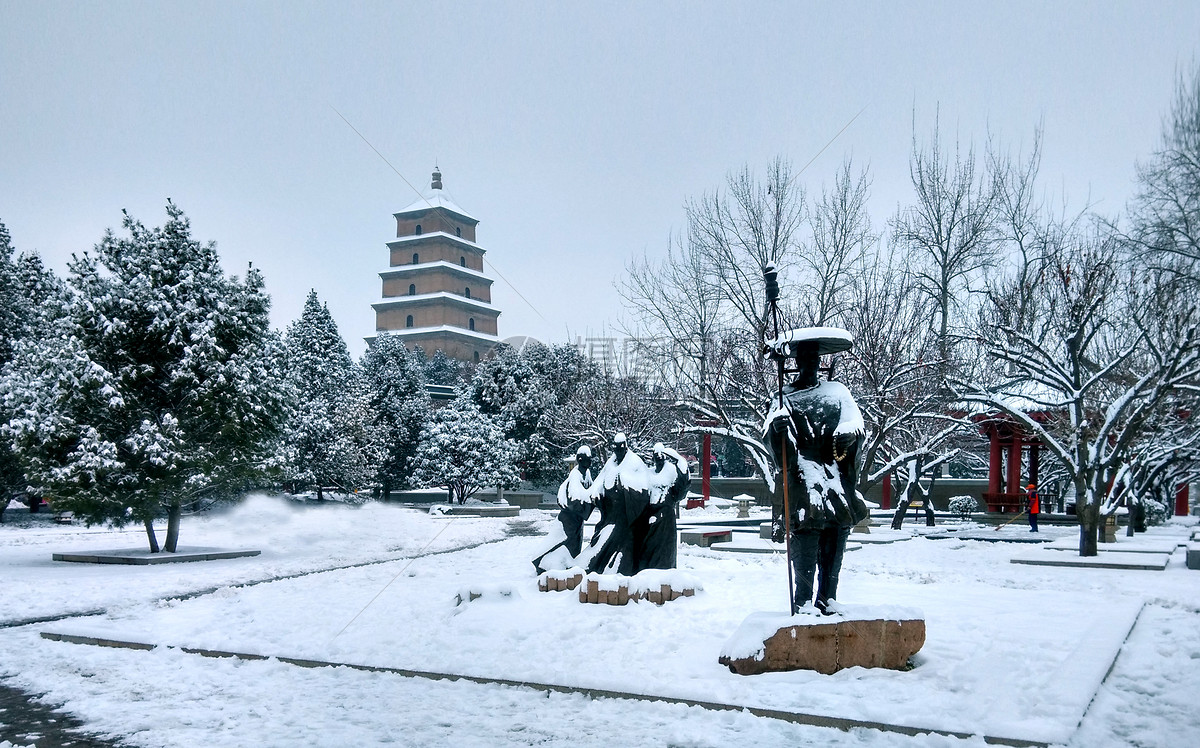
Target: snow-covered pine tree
12	304
328	439
399	407
465	450
158	388
441	369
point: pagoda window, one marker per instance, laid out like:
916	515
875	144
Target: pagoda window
462	260
412	289
467	292
416	259
409	321
471	324
418	230
458	230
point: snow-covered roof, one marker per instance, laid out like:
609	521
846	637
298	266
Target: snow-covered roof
436	199
829	339
400	270
417	238
391	303
411	331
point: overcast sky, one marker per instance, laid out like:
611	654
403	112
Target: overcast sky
573	131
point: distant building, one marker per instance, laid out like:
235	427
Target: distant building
435	293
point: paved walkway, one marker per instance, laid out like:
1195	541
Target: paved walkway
24	721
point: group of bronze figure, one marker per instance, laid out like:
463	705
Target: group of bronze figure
815	433
637	505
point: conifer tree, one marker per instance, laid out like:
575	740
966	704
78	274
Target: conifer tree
464	450
158	388
399	407
329	439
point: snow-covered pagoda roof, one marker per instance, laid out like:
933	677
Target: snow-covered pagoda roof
436	197
400	301
447	329
397	271
432	235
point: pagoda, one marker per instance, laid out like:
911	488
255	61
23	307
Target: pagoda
435	293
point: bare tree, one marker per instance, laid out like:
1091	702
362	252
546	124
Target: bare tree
1166	210
893	371
950	229
740	230
1098	359
841	236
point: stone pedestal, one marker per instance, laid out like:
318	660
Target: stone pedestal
823	644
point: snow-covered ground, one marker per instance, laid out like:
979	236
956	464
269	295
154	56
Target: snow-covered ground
1012	651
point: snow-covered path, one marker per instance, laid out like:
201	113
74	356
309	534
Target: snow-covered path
1004	654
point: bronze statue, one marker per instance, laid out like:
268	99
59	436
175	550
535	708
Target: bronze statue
655	537
573	498
815	431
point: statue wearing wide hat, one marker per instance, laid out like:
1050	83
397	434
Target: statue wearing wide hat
815	432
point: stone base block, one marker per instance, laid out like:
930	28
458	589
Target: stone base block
829	646
592	593
558	581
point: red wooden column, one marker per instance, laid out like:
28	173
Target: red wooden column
706	469
1181	500
885	501
1034	454
1012	481
994	461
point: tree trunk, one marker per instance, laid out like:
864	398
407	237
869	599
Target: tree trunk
387	490
1089	514
926	501
34	504
901	510
150	535
173	514
320	496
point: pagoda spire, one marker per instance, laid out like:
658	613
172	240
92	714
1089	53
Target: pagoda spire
437	179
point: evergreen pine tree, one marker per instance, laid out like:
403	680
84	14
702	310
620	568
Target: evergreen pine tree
399	406
158	388
329	439
465	450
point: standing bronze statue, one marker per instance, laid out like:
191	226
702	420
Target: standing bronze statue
815	431
655	535
574	501
622	492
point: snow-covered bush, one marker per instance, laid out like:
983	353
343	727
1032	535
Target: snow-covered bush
963	505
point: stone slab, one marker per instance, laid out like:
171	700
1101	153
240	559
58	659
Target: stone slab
705	538
481	511
829	646
143	557
1193	556
745	543
1109	560
1122	545
881	537
985	536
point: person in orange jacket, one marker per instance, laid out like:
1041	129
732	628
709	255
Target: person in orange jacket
1034	506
